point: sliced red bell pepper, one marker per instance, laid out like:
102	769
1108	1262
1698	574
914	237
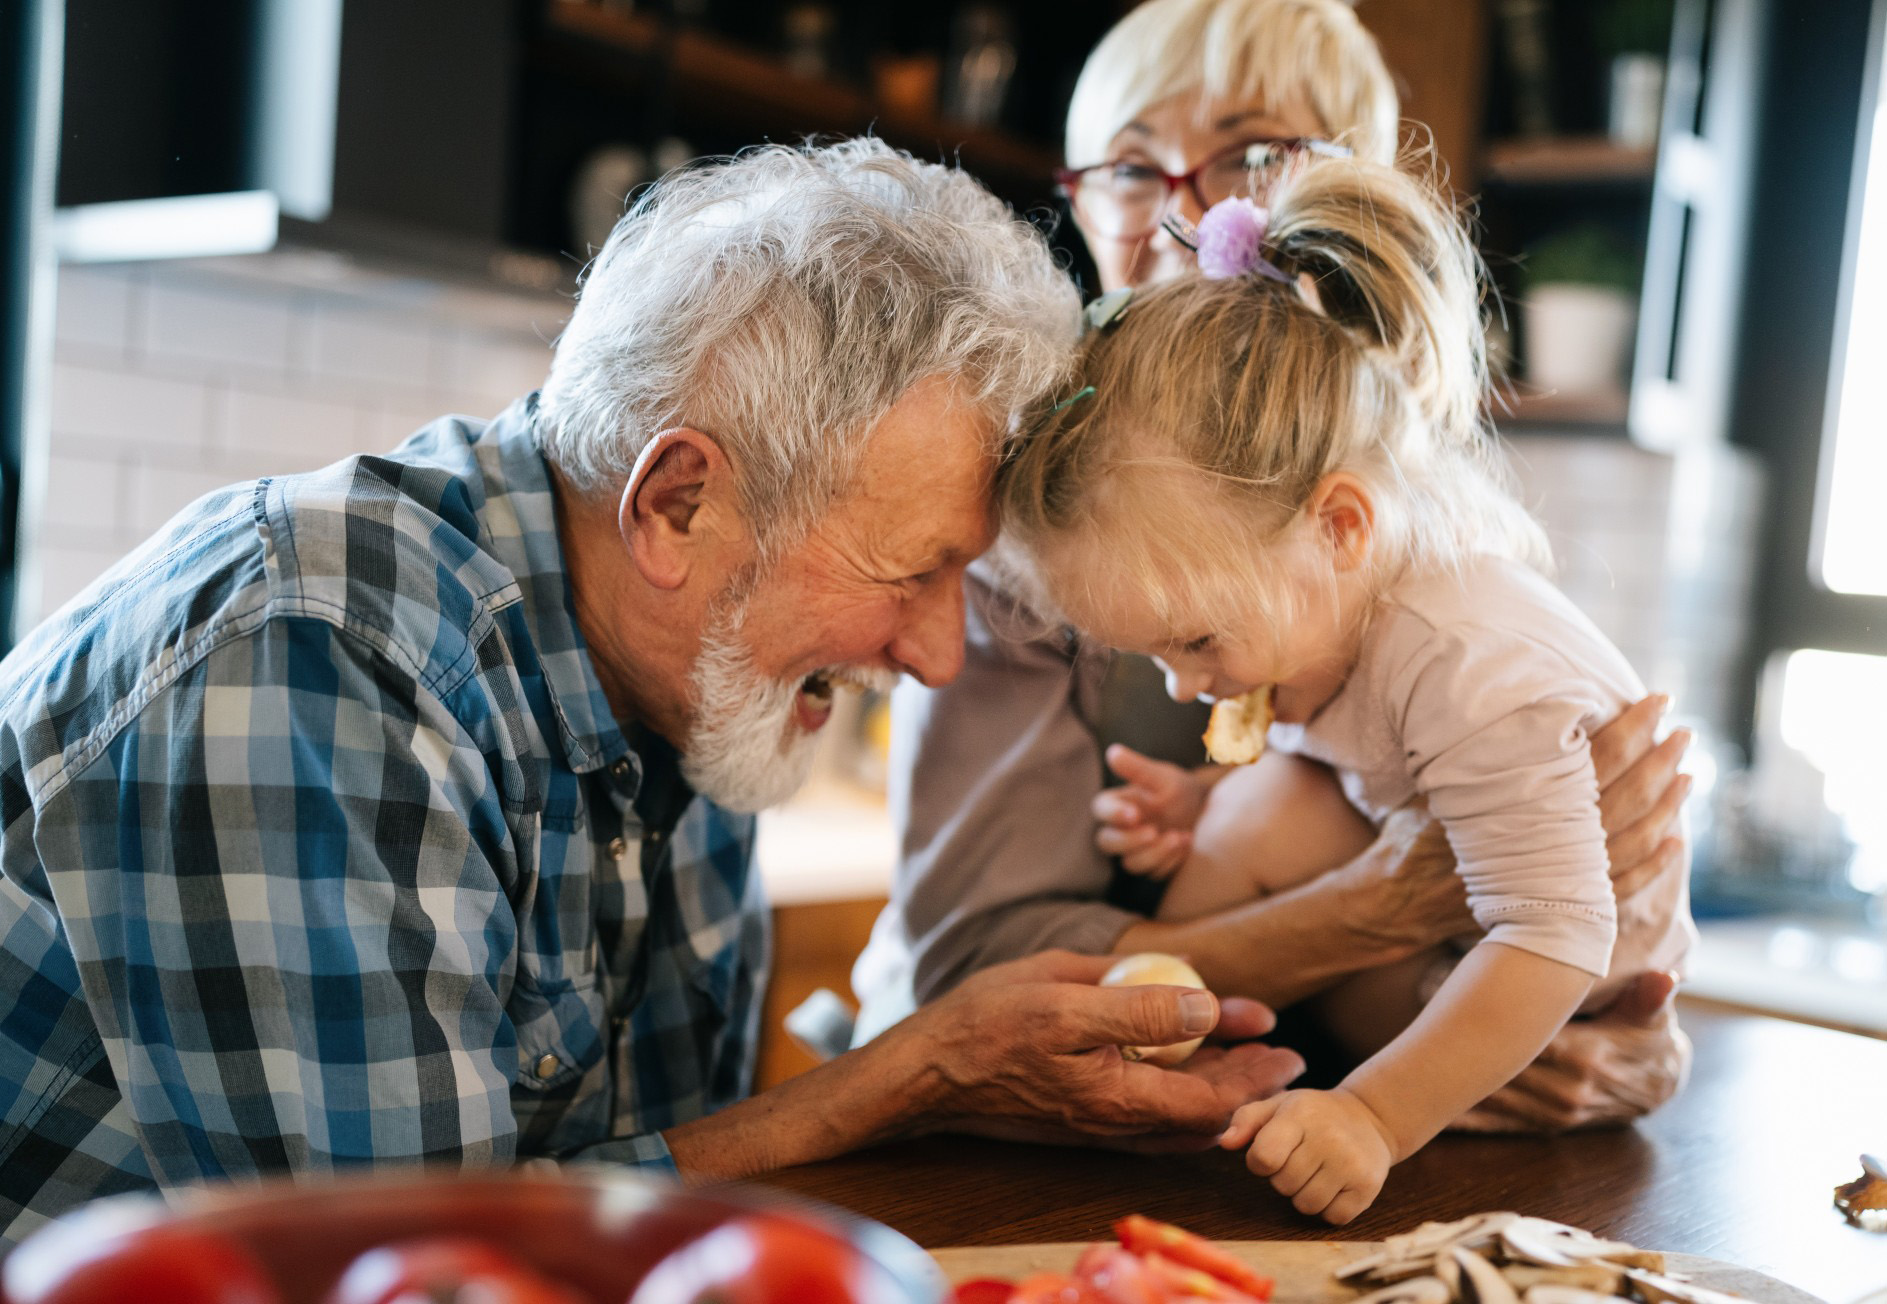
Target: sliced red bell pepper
984	1290
1052	1288
1117	1276
1145	1236
1184	1284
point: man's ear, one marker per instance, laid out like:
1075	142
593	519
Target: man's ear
680	501
1346	518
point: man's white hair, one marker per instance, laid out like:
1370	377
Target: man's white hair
782	301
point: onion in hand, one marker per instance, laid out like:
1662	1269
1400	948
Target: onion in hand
1156	969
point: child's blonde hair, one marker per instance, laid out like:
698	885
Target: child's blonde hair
1264	51
1220	405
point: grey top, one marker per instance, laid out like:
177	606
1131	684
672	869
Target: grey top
991	781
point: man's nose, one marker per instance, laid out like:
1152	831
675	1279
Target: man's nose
929	644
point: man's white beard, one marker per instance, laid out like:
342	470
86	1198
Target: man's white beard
747	751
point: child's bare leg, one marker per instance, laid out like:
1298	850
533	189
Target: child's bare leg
1368	1010
1268	826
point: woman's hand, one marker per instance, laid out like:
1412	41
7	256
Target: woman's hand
1148	821
1607	1070
1641	794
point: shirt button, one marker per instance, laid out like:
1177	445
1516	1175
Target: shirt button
621	768
546	1068
618	848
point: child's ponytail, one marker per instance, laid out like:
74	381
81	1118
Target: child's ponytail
1389	260
1339	331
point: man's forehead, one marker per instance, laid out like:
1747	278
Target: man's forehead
924	491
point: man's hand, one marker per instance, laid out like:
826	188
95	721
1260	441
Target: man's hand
1607	1070
1148	821
1031	1050
1028	1050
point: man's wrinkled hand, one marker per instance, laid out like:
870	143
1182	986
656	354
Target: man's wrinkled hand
1032	1050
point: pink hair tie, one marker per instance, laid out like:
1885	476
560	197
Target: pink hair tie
1229	240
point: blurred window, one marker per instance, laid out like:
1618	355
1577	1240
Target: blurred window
1833	706
1854	529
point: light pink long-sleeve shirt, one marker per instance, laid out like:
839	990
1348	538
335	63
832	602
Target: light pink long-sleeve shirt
1479	692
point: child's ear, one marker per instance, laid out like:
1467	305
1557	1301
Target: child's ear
1346	518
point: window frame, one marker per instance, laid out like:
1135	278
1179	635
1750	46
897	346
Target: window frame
1825	64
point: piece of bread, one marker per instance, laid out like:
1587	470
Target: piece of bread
1236	733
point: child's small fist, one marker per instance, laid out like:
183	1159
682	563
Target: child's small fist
1325	1151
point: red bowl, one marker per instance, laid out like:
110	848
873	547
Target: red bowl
596	1230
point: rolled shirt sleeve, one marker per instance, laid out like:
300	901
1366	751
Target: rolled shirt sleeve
298	950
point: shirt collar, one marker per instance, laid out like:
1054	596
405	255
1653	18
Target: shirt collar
520	517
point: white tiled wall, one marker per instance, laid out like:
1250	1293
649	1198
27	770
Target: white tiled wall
171	380
1658	550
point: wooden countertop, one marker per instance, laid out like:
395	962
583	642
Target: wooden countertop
1741	1166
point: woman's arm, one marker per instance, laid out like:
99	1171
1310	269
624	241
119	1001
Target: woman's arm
1396	896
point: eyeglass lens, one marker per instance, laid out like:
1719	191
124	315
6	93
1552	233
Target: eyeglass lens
1129	199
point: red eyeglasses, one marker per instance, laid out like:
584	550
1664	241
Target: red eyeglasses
1126	200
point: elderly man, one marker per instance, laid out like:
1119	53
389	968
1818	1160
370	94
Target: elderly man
399	811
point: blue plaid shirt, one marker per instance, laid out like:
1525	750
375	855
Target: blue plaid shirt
322	847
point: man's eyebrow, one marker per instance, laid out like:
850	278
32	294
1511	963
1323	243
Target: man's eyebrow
1140	127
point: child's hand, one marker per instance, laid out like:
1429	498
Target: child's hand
1148	822
1326	1150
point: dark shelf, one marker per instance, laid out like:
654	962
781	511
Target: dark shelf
727	82
1567	161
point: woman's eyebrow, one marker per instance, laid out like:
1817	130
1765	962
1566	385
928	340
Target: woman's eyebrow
1231	120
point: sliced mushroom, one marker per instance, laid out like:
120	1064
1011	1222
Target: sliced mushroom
1485	1284
1659	1288
1413	1253
1415	1290
1448	1272
1555	1245
1377	1269
1547	1293
1591	1278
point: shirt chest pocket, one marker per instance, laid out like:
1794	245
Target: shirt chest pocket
558	1003
562	1038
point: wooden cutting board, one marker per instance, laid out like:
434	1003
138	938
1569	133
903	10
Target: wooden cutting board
1303	1269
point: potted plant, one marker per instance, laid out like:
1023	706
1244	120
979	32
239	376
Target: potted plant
1580	305
1634	34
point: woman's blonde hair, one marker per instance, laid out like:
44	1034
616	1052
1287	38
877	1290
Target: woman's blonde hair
1220	405
1241	51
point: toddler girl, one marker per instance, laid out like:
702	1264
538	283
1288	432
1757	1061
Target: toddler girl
1275	475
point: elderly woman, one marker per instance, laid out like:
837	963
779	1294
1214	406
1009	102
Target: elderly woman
998	777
